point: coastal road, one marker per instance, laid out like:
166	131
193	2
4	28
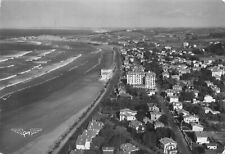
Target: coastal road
49	105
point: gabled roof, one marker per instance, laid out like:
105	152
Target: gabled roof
166	140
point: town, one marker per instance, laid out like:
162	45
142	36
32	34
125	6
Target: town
169	99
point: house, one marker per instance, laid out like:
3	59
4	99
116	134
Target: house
137	125
158	124
177	88
84	140
212	146
169	145
191	119
152	107
202	137
208	99
177	106
108	150
197	127
147	120
127	114
173	99
128	148
155	115
106	74
183	112
209	110
176	77
170	92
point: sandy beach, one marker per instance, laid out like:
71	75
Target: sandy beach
52	106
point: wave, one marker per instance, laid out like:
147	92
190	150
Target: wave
39	74
25	71
7	66
9	77
20	54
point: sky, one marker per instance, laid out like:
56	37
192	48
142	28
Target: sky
111	13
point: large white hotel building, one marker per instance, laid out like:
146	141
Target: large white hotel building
141	79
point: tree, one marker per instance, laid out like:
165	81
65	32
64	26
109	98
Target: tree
149	139
164	119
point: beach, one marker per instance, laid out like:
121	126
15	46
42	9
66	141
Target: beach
52	105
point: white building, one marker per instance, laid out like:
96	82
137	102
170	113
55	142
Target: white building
191	119
135	78
174	99
208	99
106	74
169	145
197	127
150	80
127	114
202	137
177	106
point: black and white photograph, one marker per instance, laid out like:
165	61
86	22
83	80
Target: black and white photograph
112	76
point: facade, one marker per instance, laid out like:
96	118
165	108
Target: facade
169	145
128	148
137	125
209	99
152	107
174	99
177	106
127	114
140	78
155	115
106	74
135	78
108	150
158	124
202	137
197	127
191	119
150	80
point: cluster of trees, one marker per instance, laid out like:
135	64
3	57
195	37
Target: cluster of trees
151	138
217	48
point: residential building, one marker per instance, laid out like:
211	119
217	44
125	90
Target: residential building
197	127
128	148
152	107
212	146
155	115
169	145
174	99
208	99
135	78
183	112
202	137
191	119
127	114
137	125
84	140
150	80
177	106
106	74
108	150
158	124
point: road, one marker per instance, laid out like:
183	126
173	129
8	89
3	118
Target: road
182	144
